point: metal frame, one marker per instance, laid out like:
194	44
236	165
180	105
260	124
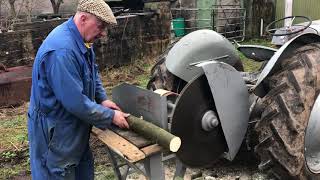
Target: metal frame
219	13
153	166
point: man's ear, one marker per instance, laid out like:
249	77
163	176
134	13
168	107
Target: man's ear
83	18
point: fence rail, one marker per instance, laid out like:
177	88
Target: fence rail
228	20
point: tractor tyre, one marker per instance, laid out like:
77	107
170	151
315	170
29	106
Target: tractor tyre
161	78
285	110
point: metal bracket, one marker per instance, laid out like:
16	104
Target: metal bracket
153	166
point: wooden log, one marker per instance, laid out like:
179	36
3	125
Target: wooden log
155	133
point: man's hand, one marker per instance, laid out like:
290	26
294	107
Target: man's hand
119	119
110	104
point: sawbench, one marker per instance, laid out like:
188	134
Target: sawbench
130	152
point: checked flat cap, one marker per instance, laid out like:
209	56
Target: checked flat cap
98	8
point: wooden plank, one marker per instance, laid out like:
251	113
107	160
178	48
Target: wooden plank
133	137
119	145
152	149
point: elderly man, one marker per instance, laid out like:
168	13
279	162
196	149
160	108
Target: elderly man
67	97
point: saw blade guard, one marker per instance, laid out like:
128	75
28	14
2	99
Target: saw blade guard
200	46
211	115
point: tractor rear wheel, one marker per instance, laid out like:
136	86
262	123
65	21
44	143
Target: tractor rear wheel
285	112
161	78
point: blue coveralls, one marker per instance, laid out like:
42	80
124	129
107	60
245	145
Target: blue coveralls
64	104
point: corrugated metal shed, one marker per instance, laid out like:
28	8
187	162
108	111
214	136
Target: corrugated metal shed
308	8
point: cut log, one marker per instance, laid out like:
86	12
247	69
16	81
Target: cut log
155	133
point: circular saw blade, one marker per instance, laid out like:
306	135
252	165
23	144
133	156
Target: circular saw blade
199	147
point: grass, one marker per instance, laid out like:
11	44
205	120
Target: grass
103	172
249	64
13	133
261	42
13	142
136	73
13	122
8	171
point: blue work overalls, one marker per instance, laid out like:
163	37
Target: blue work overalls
64	104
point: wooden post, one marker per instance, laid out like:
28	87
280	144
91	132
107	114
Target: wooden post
288	12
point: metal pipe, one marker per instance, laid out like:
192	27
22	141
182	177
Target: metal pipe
261	27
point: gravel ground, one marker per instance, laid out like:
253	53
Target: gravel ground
244	167
223	171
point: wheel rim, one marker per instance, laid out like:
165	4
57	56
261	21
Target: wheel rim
312	139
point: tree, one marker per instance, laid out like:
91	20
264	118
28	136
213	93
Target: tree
13	13
56	5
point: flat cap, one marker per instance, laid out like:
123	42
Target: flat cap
99	8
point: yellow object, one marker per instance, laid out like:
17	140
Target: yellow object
88	45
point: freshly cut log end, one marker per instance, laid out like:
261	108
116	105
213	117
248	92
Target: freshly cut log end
155	133
175	144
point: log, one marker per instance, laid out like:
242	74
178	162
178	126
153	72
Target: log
155	133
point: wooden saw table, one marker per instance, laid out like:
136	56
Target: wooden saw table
126	149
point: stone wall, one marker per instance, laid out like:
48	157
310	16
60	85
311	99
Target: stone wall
19	47
137	36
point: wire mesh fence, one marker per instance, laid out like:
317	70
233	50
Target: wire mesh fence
228	20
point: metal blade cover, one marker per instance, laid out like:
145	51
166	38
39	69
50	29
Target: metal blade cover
199	147
141	102
231	101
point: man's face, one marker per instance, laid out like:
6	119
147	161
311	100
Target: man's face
94	29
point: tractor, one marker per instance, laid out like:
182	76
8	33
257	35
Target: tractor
216	108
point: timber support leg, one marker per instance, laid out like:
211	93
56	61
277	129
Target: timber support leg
115	165
154	167
180	169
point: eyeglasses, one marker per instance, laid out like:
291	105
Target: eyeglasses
100	24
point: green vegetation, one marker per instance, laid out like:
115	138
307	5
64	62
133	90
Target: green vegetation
104	172
8	171
136	74
261	42
13	133
13	142
249	64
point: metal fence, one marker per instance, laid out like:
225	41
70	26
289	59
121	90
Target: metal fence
228	20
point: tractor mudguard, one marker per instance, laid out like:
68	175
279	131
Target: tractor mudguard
231	100
272	65
256	52
196	47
